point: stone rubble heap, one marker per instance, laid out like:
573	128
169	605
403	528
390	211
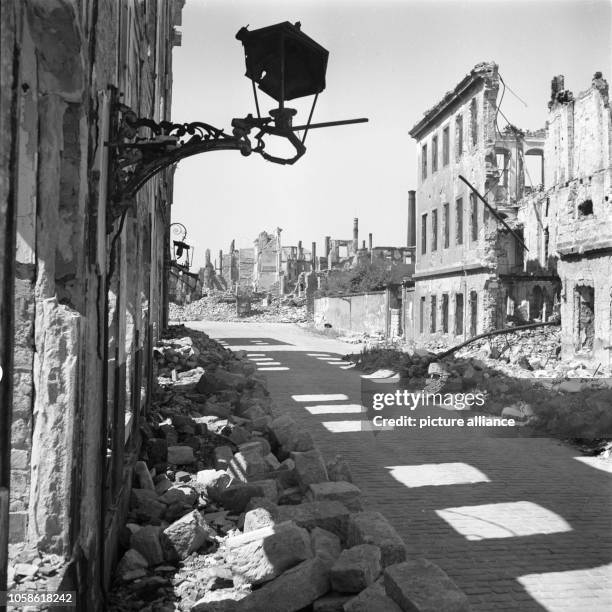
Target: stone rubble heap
234	510
217	306
520	374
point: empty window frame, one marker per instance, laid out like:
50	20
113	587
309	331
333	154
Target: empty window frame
434	230
584	317
459	314
446	225
434	154
424	233
445	313
424	162
422	315
473	217
445	146
459	221
458	136
474	121
473	313
434	312
585	208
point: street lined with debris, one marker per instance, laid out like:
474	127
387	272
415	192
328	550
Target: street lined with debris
518	523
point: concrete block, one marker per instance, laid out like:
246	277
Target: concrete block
180	455
146	542
356	568
187	534
344	492
309	467
423	586
329	515
261	555
372	599
325	545
373	528
297	588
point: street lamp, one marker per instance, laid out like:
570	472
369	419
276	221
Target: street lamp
179	232
281	61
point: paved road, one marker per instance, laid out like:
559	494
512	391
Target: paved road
518	523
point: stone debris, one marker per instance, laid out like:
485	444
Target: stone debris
356	568
309	467
373	528
422	585
520	375
372	599
221	306
233	510
260	555
344	492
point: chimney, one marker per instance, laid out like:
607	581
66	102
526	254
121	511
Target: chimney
370	242
411	235
314	255
220	262
355	235
363	244
300	255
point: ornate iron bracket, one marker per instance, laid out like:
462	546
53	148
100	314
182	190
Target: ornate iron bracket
135	158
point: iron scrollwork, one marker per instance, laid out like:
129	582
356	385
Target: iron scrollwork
136	158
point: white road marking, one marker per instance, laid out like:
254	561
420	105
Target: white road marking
276	369
319	397
335	409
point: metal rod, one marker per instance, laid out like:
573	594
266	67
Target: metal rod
495	213
314	102
282	72
506	330
296	128
256	100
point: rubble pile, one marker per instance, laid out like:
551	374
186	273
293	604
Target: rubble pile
218	306
235	510
520	374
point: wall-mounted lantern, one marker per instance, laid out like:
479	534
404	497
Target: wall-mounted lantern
281	61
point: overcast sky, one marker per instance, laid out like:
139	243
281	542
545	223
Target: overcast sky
389	61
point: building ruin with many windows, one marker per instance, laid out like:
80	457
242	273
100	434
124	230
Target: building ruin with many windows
541	247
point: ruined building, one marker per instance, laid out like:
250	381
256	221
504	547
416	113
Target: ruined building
577	204
470	268
82	275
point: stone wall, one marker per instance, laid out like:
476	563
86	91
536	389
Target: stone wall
364	313
88	278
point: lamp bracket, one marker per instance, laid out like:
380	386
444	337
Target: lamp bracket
135	157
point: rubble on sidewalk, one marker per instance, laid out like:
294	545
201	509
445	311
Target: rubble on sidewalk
234	512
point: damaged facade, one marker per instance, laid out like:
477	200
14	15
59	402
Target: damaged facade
83	299
269	266
471	272
578	199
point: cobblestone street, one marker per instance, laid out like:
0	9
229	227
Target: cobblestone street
518	523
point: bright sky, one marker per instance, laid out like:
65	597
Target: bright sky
389	61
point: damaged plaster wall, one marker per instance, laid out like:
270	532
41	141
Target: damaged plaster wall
456	137
76	382
579	172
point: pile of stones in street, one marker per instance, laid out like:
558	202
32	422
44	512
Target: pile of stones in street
520	374
222	307
235	510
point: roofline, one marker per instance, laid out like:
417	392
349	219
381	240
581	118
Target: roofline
476	76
